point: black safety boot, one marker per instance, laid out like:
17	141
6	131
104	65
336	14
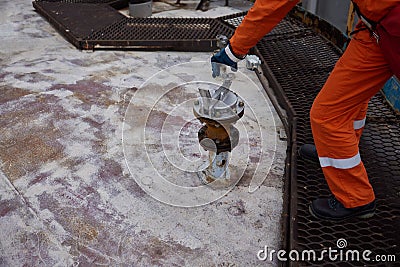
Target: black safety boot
331	209
308	152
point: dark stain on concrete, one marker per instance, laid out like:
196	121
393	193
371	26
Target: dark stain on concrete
179	94
89	92
110	170
28	154
129	182
156	120
32	77
10	93
238	208
39	178
166	61
150	250
8	206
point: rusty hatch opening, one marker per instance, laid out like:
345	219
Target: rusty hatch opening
297	61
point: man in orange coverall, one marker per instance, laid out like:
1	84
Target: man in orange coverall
339	111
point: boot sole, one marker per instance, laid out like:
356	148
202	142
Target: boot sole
364	215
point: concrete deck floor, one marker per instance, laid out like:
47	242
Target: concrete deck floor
86	140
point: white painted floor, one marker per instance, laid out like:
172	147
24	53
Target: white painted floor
98	153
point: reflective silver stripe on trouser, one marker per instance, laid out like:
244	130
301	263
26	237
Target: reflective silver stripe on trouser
340	163
359	124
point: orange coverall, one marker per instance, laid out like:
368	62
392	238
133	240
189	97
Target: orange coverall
339	111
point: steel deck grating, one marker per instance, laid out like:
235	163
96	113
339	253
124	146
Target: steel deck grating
381	112
233	20
118	4
83	1
181	34
77	23
158	29
287	25
301	63
95	24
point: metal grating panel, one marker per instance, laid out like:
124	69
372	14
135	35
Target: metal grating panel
287	25
118	4
380	111
183	34
233	20
75	22
90	24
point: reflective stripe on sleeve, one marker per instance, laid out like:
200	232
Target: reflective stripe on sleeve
359	124
231	55
340	163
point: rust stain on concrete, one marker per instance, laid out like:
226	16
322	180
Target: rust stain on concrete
83	229
27	154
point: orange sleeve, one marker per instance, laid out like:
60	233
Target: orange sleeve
376	10
260	20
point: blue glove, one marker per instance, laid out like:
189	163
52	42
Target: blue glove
226	57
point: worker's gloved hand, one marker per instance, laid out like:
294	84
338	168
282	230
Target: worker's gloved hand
226	57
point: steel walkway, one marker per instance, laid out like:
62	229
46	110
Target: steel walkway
97	24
